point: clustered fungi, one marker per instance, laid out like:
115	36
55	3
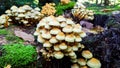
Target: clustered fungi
61	37
65	1
80	12
25	15
4	21
48	9
87	61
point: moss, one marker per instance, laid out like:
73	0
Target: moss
61	8
3	32
17	55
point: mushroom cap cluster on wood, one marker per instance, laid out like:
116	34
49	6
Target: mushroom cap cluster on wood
80	12
25	15
48	9
4	21
60	36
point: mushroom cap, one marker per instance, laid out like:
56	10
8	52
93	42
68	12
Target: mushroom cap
47	26
46	35
53	40
9	19
58	55
75	48
26	7
78	38
54	23
83	34
75	66
67	29
41	24
13	7
69	49
47	44
60	36
25	22
20	10
94	63
21	15
8	11
87	54
37	9
73	57
81	61
72	53
17	18
73	60
55	31
63	24
56	47
70	38
77	28
69	21
37	32
63	46
60	19
40	39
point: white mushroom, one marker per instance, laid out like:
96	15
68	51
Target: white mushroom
58	55
94	63
63	46
47	44
87	54
55	31
60	36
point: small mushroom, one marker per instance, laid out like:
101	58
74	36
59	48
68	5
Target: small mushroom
67	29
75	66
53	40
70	38
40	39
63	46
81	61
55	31
46	35
77	28
60	36
56	47
58	55
63	24
83	34
47	44
94	63
87	54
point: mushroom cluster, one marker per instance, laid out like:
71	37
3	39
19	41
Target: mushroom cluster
86	61
65	1
48	9
4	21
60	37
25	15
80	12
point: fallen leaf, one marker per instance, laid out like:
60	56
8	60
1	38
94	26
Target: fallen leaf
86	24
24	36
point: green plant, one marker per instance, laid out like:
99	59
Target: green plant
61	8
3	32
17	55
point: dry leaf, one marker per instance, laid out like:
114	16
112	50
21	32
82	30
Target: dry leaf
24	36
